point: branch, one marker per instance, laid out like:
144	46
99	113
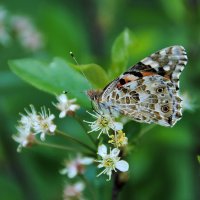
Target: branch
118	184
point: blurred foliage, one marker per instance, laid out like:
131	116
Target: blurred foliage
164	164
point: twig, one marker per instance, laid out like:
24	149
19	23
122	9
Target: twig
54	146
117	186
61	147
67	136
85	130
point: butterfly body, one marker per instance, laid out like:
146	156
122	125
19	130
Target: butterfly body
148	91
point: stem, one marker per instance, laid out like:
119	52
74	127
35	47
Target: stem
83	126
67	136
62	148
117	186
118	181
54	146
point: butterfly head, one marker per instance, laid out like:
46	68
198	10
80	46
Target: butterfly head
94	95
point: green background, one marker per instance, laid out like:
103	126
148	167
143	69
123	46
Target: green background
164	164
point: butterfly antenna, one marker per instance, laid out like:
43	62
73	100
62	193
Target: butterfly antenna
75	60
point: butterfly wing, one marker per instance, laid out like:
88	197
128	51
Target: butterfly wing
151	99
168	62
148	91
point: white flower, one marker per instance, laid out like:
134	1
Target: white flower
32	40
27	34
31	118
24	137
65	105
76	166
74	192
104	123
111	161
37	123
44	124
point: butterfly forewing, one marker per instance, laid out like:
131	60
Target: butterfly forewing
168	62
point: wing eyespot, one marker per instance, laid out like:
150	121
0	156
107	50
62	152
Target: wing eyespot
160	89
165	109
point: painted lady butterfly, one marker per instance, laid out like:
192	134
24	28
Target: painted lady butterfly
148	91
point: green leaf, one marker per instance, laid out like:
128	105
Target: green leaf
94	73
120	52
53	77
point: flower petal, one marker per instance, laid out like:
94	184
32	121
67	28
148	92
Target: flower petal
79	187
63	171
42	137
62	98
86	161
52	128
62	114
51	117
73	107
117	126
115	152
122	166
102	150
72	172
100	165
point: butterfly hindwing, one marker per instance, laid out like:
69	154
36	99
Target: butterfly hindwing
149	99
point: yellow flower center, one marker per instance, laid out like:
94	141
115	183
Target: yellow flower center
108	162
103	122
119	139
45	126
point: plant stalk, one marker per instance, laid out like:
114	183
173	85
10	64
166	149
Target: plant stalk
67	136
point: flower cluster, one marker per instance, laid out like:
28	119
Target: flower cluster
110	161
66	106
34	123
76	166
105	123
26	33
41	123
74	192
72	169
20	28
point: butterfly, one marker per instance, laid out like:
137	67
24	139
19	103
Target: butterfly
147	92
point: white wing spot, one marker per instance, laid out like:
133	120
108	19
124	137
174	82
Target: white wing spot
166	68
